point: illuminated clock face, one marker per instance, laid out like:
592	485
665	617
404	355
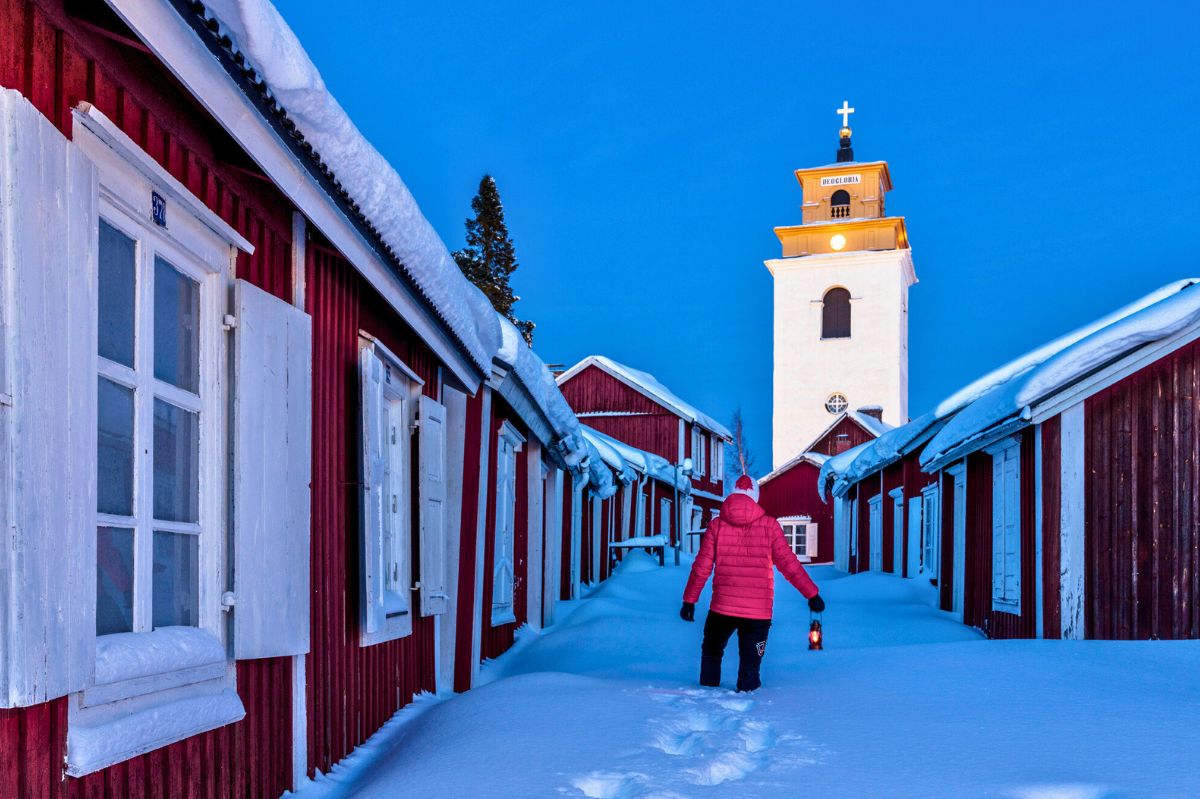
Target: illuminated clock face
837	241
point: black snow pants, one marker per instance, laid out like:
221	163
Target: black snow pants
752	644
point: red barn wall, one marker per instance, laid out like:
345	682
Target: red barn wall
352	690
1050	431
977	607
1142	545
464	666
947	576
794	493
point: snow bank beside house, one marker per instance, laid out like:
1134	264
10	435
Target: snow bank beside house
903	702
264	38
1156	316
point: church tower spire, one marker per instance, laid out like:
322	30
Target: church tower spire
841	302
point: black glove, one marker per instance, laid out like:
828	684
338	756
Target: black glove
816	604
688	611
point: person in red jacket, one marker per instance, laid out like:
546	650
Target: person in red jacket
743	544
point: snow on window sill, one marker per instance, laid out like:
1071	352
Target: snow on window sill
503	617
100	737
126	656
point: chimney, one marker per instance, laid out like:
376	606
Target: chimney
555	369
875	411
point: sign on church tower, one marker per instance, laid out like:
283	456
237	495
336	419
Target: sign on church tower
841	301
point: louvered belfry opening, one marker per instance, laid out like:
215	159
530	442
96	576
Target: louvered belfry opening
835	314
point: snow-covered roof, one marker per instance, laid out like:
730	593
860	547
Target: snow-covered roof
622	457
1160	314
649	385
833	468
885	450
531	371
876	426
815	458
373	187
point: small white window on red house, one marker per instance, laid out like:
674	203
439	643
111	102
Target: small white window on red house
931	530
389	397
509	442
801	535
1006	526
697	452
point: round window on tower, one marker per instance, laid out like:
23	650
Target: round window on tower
836	403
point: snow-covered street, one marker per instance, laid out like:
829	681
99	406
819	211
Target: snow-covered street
904	702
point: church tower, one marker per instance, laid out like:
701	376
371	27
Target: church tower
841	302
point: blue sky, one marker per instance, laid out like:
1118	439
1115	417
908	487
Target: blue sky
1044	154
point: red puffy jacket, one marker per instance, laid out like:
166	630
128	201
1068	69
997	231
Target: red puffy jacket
744	543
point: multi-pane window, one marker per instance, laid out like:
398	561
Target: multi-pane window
800	534
697	452
150	407
930	530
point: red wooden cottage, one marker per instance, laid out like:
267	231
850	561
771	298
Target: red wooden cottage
633	407
1072	484
288	468
1054	491
790	493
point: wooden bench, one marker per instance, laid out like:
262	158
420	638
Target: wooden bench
650	543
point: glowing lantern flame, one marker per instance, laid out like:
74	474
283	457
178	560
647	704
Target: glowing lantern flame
814	635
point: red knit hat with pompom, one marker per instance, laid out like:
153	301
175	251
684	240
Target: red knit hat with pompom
746	485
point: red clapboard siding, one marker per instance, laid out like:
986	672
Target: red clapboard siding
946	580
1051	431
845	435
568	505
893	478
352	690
794	493
1142	543
915	481
469	531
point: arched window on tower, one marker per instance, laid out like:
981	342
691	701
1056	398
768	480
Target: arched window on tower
835	315
840	202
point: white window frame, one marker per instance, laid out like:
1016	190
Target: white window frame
140	676
509	442
697	452
853	526
718	471
664	517
1006	525
795	527
401	395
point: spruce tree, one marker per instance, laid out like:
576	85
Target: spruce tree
489	258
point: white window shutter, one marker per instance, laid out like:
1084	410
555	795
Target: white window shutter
371	490
1012	525
998	528
810	539
433	507
48	315
272	440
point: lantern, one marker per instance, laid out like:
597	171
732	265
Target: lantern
814	634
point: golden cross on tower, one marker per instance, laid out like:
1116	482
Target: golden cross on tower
845	111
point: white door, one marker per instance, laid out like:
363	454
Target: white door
913	560
960	537
898	534
875	508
